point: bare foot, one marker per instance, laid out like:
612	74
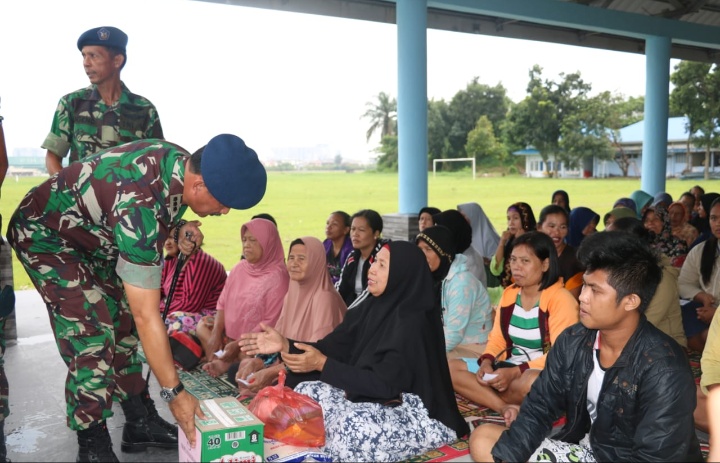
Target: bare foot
510	413
216	368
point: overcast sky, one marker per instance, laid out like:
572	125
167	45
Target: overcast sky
275	79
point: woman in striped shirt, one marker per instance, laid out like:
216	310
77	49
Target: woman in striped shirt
532	312
198	287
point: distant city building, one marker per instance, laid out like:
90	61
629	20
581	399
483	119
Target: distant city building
23	172
28	152
25	162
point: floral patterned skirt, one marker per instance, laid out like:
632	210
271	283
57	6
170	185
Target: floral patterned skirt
185	322
372	432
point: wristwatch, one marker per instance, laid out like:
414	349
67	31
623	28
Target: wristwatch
168	394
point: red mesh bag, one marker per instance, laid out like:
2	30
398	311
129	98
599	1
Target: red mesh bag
289	416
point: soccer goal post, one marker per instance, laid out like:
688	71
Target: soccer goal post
435	163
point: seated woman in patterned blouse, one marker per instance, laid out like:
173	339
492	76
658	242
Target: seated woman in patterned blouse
465	303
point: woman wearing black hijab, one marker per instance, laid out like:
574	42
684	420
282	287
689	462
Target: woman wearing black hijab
425	217
467	315
384	384
462	237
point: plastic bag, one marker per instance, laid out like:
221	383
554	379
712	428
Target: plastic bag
289	416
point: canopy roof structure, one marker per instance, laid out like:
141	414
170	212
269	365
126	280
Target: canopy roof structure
659	29
618	25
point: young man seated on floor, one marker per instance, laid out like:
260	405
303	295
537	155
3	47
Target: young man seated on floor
625	387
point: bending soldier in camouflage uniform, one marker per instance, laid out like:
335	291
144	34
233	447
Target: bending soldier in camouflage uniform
91	240
106	113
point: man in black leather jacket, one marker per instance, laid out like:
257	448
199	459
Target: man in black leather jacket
625	387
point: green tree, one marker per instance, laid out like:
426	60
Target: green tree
388	149
467	106
383	116
697	95
483	145
438	129
584	133
549	112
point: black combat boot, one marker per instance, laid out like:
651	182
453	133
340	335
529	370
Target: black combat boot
95	444
154	417
144	427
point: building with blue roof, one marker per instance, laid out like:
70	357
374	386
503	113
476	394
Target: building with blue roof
684	159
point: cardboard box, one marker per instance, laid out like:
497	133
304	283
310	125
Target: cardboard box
231	433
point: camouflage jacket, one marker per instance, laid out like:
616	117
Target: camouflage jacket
116	206
84	125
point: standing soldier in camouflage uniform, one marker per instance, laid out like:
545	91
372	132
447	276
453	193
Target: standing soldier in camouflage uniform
106	113
91	240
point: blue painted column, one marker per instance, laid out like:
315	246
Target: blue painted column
657	97
412	105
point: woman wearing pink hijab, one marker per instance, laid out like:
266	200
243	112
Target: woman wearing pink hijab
312	309
253	294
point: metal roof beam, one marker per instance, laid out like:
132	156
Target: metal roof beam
573	15
505	24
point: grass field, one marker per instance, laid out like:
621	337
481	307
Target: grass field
301	202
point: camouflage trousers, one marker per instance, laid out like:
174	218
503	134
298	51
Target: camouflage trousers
90	318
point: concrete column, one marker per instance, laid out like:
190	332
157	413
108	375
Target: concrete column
412	105
657	97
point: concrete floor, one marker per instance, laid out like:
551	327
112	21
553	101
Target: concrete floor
36	429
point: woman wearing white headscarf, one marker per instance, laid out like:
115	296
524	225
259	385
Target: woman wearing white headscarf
485	238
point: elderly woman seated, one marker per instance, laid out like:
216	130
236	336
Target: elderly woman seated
381	376
253	294
657	221
680	223
312	309
533	311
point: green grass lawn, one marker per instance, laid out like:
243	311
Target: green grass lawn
301	202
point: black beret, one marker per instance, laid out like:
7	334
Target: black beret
105	36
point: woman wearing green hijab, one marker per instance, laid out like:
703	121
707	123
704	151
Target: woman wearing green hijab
642	201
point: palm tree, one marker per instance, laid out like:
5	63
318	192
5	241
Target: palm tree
382	115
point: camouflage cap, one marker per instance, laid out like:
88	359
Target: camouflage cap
106	36
232	172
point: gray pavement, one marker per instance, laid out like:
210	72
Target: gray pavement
36	429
